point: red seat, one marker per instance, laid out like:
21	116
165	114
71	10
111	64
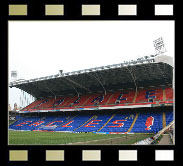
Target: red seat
169	93
141	96
129	97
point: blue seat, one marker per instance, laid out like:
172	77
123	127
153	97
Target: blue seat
147	122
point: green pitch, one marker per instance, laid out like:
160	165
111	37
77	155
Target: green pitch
58	138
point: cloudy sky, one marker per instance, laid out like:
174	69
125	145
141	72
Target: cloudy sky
42	48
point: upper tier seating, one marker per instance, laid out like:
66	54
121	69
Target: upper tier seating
34	104
145	95
122	97
92	98
110	98
169	93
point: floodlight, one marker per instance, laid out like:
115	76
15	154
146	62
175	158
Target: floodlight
60	72
159	46
14	75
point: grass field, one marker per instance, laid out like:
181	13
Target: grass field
58	138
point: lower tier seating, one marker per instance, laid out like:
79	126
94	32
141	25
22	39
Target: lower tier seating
148	123
145	122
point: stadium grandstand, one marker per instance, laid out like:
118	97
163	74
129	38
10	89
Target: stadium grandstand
129	98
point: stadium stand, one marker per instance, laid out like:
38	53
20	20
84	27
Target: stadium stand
169	115
144	96
169	93
94	124
105	99
73	123
71	101
34	104
120	123
81	100
122	97
147	122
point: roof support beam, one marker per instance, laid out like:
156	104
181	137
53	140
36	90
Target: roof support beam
98	81
162	74
66	81
49	89
133	77
74	82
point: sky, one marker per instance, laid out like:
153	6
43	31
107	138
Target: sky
42	48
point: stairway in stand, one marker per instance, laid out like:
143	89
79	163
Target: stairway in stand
134	99
164	120
109	99
67	120
164	95
85	122
106	122
133	122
